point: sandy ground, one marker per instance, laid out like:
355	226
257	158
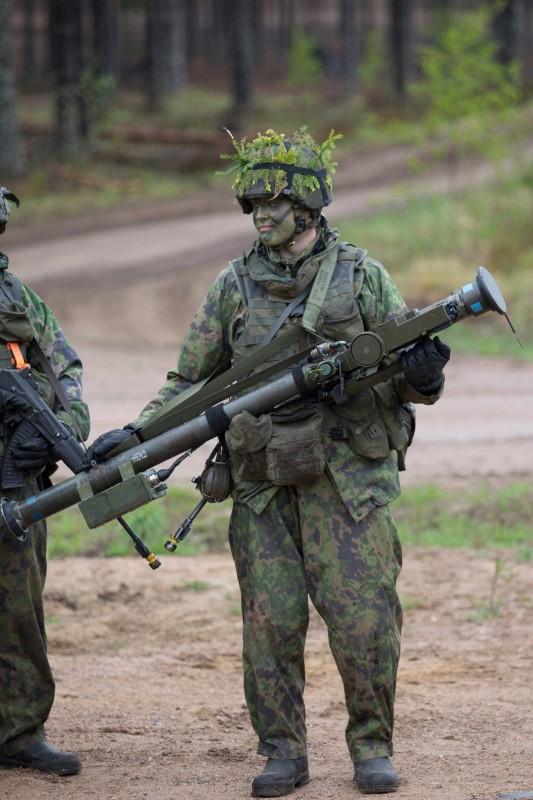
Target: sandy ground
148	669
149	684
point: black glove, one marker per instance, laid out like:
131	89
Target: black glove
108	441
33	454
423	364
13	407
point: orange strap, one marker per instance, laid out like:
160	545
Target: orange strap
16	355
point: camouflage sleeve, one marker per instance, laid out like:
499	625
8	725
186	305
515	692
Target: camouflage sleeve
381	300
206	348
63	359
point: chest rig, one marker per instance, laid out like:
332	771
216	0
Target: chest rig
17	333
328	308
15	327
292	445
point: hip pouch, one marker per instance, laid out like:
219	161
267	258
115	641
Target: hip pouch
284	448
295	453
363	426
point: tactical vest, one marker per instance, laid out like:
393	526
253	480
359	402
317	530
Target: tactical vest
291	449
16	327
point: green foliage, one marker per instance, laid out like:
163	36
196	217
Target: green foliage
271	147
433	244
431	516
303	62
426	515
374	64
492	607
96	91
197	586
69	535
467	92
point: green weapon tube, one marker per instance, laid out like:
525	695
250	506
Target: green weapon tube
360	362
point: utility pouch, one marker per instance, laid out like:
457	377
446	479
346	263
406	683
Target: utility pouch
399	419
247	438
295	453
15	325
365	429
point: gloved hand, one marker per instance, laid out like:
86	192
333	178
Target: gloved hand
13	407
423	364
108	441
33	454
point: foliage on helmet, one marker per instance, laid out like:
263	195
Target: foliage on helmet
299	149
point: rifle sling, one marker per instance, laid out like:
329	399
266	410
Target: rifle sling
231	382
58	389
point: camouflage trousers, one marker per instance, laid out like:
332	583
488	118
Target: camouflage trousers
306	544
26	683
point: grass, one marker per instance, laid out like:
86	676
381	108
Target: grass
434	245
485	517
428	516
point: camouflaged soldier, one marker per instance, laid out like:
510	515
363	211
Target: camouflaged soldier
312	480
29	332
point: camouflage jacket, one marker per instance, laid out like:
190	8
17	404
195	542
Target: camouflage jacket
209	346
62	357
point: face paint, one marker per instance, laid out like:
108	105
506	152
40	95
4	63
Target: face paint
274	220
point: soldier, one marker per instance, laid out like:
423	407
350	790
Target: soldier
313	480
30	334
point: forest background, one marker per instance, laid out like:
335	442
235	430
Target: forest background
113	113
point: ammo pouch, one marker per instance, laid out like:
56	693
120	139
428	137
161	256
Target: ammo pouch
295	453
362	425
399	419
283	448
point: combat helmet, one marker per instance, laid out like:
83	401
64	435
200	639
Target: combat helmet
8	200
274	165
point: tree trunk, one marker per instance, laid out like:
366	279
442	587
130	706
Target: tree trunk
192	27
240	53
349	45
401	44
66	41
507	29
166	21
106	37
28	55
11	162
286	25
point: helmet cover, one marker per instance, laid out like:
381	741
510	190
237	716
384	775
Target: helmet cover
274	165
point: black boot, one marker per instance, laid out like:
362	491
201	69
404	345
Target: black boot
376	776
42	756
281	776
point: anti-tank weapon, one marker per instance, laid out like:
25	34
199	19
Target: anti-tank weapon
128	479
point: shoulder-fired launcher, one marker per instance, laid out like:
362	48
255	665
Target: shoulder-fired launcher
128	479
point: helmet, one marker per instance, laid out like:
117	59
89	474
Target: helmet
8	200
275	165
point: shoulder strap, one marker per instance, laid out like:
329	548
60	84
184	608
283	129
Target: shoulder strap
56	386
321	283
235	266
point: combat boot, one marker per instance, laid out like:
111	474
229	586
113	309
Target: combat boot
376	776
281	776
44	757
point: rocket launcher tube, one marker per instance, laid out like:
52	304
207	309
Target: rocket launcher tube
393	335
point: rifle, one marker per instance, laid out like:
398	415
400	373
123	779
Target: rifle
22	400
22	397
329	370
